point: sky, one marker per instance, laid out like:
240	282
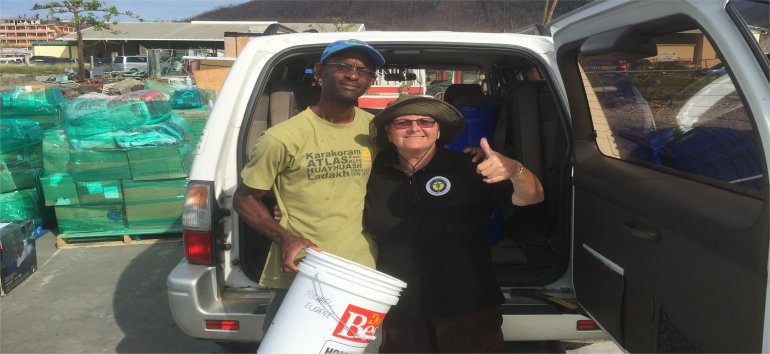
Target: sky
149	10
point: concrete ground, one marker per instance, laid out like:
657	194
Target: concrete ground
96	300
113	300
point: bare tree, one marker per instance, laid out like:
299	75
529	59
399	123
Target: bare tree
86	13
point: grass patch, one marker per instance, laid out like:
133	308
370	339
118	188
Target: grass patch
41	69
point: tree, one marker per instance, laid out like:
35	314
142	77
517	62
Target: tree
340	25
86	13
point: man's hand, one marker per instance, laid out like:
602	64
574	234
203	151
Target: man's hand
290	247
496	167
248	203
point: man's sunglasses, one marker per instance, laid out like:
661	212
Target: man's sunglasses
346	68
407	123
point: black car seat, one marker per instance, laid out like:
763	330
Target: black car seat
458	90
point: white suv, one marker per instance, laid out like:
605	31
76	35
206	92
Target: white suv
129	63
657	215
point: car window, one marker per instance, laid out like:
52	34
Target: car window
136	59
117	60
679	110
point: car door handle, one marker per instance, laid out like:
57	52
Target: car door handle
634	228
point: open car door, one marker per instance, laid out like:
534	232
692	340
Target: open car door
671	129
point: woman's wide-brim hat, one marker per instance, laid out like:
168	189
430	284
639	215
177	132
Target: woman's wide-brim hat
449	119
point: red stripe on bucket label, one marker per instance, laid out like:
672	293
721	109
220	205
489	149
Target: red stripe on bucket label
357	320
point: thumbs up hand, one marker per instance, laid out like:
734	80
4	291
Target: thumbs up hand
496	167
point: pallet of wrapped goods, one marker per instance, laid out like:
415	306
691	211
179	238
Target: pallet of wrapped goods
137	138
114	210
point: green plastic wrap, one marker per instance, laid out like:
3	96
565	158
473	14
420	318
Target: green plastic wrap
89	117
30	100
155	204
22	204
56	151
81	106
18	175
59	189
173	131
98	165
160	162
167	88
32	154
91	218
196	122
186	99
16	134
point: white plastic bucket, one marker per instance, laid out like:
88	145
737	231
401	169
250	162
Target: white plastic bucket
333	306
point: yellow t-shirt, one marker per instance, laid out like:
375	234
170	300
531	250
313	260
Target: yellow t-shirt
318	171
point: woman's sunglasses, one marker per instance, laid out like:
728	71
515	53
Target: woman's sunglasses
406	123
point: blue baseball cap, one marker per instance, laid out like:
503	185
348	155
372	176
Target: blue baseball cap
345	44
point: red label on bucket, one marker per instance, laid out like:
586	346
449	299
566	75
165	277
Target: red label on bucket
357	320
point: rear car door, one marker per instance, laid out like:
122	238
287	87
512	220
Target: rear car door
670	182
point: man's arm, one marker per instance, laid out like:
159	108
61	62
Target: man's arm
248	203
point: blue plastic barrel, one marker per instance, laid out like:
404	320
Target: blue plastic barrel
480	123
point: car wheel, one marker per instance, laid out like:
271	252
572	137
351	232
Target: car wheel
133	70
239	347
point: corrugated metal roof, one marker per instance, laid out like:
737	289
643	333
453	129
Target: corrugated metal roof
193	31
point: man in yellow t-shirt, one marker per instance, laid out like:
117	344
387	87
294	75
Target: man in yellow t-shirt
317	163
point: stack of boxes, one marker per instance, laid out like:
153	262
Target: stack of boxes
104	164
119	164
40	103
25	112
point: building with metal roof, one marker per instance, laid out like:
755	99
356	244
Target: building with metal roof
132	38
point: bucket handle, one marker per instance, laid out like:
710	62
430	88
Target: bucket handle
329	309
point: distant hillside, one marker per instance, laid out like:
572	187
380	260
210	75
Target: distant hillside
435	15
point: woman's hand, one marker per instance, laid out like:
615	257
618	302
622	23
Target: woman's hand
527	189
496	167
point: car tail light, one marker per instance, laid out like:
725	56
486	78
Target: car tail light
197	220
587	325
197	207
223	325
197	247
